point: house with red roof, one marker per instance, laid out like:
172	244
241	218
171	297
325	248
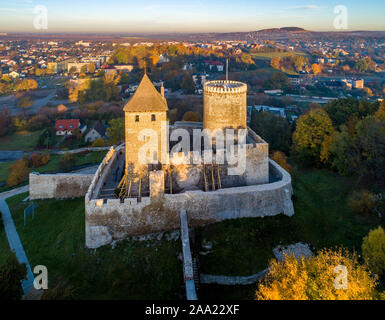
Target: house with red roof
67	126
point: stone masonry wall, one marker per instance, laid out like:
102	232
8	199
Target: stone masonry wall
58	186
108	220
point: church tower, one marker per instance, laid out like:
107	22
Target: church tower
145	110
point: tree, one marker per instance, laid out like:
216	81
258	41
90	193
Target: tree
311	136
19	172
280	158
277	80
190	116
5	121
373	250
275	130
24	102
316	68
276	62
314	278
362	202
115	132
380	114
67	162
98	143
91	68
11	274
187	84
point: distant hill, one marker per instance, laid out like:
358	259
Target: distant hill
285	29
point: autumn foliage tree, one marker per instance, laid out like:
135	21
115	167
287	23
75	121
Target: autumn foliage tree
312	137
19	172
314	278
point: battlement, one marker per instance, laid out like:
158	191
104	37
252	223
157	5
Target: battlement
225	87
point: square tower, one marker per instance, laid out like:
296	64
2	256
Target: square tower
145	110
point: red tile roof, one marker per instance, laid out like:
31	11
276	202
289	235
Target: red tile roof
67	124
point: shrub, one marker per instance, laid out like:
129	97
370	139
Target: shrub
19	173
11	274
39	160
98	143
314	278
362	202
373	251
280	158
67	162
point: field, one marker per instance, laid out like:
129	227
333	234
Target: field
25	141
151	269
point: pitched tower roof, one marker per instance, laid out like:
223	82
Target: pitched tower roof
146	98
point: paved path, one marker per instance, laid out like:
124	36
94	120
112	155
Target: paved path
16	245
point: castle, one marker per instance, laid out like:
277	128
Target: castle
142	185
129	197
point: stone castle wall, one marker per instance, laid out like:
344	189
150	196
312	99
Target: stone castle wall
109	220
58	186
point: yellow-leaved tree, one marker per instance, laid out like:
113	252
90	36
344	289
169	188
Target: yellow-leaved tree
313	136
319	277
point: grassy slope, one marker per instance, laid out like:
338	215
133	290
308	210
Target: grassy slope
132	270
240	247
4	247
322	219
20	141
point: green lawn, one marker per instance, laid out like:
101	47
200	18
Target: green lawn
4	247
151	270
25	141
130	270
322	219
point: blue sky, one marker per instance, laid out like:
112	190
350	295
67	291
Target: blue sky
188	16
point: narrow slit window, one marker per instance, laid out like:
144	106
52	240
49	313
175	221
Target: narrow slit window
136	118
153	118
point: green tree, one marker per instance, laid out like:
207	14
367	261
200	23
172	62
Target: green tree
11	274
273	129
67	162
115	132
313	130
373	250
188	84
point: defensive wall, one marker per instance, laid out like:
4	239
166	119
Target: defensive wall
113	219
58	186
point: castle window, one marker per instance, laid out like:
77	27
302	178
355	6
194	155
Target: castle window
136	118
153	117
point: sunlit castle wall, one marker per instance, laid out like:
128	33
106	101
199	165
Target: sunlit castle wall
225	105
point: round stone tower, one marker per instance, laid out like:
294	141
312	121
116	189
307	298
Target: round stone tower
224	105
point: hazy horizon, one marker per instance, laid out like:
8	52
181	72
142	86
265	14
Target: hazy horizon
172	16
